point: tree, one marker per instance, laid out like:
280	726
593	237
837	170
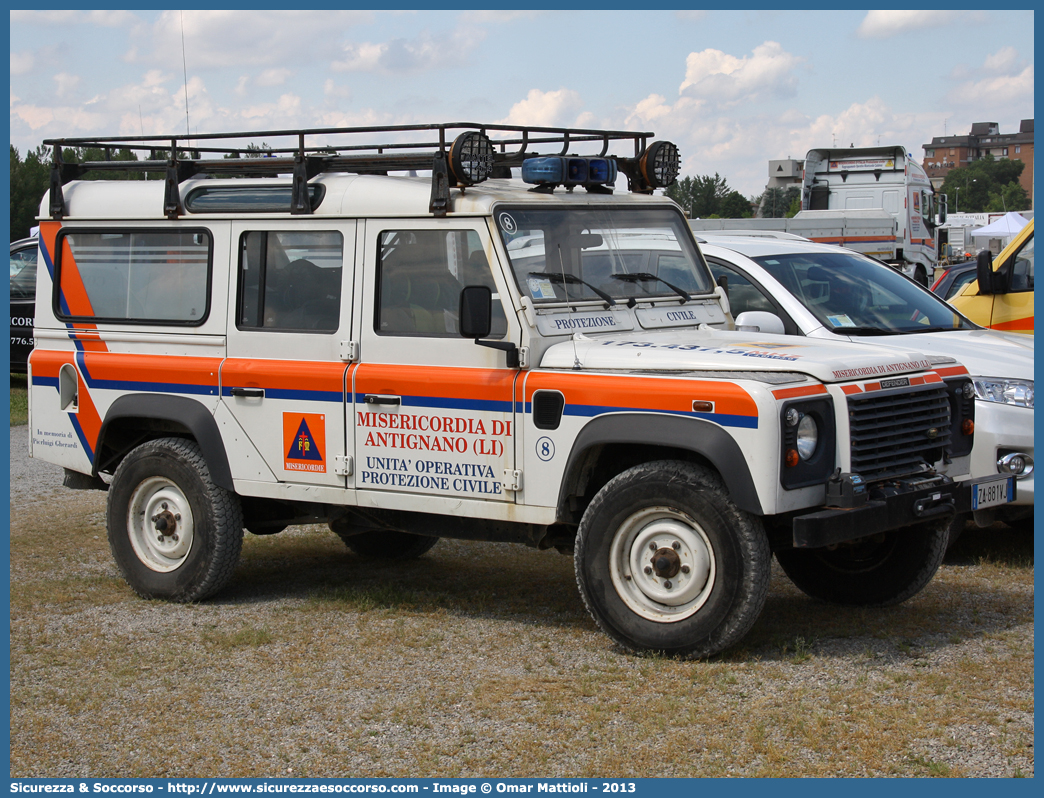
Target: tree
701	196
30	180
777	203
736	206
977	187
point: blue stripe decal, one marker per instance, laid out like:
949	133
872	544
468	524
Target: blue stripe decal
83	438
441	403
298	395
141	387
46	382
724	419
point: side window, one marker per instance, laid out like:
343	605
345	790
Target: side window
420	277
1022	269
145	276
23	273
743	294
290	280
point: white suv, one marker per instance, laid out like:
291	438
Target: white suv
259	342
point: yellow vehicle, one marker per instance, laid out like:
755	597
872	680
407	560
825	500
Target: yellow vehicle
1002	297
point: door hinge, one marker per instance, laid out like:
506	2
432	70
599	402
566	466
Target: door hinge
512	479
343	465
523	357
349	351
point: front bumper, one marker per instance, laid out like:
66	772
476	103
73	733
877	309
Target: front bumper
1000	429
888	508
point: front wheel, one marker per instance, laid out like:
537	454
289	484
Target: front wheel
879	570
666	562
173	533
921	276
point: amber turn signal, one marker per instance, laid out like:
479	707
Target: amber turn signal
791	458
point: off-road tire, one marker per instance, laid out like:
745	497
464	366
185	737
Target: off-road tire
384	544
876	571
623	562
169	477
921	276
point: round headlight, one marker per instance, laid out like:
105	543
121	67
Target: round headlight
471	157
807	437
660	164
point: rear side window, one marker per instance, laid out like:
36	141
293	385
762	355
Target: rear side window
290	280
23	273
141	276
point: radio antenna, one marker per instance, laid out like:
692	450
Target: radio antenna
184	66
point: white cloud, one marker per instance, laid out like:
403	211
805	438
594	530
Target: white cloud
21	63
66	84
426	51
107	19
273	77
885	24
691	16
996	93
719	77
335	91
546	109
242	38
498	17
1003	60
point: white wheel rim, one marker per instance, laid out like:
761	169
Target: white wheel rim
662	564
159	522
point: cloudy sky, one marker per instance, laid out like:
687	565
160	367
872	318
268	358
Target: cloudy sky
732	88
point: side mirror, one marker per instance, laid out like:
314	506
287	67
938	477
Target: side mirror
984	271
476	311
760	321
723	281
476	320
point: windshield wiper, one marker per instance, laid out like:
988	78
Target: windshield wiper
644	276
572	279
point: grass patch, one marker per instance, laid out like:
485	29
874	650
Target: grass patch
19	400
479	660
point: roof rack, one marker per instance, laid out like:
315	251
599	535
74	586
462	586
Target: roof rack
462	156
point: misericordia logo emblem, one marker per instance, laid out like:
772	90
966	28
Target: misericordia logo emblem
304	442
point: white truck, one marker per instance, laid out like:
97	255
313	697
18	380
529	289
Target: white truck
874	200
261	342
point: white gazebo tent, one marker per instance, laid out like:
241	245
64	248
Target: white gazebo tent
1006	227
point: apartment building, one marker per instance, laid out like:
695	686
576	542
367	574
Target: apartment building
951	152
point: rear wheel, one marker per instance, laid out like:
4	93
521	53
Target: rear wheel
879	570
384	544
173	533
666	562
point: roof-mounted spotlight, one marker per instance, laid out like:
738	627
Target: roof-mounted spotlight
471	158
660	164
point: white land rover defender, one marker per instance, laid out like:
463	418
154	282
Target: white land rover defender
264	341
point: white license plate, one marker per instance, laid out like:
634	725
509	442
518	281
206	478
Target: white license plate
990	494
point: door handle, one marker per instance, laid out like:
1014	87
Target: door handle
379	399
251	393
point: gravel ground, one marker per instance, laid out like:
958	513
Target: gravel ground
478	660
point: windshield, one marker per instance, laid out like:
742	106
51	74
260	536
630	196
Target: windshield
606	255
853	295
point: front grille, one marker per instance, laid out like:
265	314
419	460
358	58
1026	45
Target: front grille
898	432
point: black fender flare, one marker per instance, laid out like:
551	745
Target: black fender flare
704	438
188	413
